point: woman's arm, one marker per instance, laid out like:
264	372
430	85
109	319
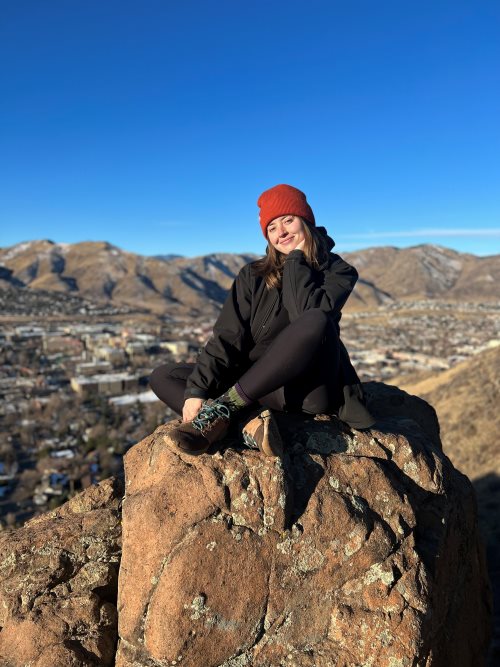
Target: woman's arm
305	288
217	366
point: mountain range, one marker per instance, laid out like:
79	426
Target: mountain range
98	270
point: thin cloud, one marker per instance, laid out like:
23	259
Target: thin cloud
430	232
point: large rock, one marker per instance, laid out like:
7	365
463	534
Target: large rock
357	549
58	584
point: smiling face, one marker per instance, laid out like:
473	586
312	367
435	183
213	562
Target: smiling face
285	233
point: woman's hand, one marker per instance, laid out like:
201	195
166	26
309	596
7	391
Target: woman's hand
191	408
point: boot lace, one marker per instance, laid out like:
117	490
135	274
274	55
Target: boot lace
209	413
249	440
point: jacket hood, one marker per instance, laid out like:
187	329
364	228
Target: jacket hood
329	241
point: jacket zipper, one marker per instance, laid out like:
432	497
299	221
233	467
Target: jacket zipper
264	321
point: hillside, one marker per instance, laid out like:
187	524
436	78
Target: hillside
466	398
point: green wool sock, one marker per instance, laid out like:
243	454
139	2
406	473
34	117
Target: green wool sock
234	399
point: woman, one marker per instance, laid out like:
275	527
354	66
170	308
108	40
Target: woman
276	341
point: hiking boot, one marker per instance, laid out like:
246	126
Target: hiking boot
210	424
262	433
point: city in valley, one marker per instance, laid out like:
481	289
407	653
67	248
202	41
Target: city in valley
74	384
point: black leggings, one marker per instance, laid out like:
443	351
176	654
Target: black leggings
298	372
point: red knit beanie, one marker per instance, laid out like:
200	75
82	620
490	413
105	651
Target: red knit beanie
283	200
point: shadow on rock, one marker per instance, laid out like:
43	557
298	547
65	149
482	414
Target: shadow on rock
488	499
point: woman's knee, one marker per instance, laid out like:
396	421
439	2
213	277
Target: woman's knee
168	382
313	324
167	375
160	374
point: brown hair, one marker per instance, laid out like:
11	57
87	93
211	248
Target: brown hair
271	266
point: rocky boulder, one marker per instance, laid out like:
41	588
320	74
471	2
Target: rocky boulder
58	584
358	548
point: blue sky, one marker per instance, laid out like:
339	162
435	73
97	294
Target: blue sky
156	124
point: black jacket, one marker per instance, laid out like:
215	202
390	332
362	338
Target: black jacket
253	315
